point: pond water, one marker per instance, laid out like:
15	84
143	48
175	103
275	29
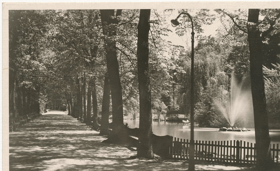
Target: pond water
202	133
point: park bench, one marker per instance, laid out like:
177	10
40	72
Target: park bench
133	135
133	141
161	144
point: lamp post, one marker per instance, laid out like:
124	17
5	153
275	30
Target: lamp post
191	152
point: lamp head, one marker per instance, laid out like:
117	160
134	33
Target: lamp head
175	22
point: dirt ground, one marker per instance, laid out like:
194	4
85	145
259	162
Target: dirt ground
60	142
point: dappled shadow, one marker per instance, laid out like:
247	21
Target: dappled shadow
60	142
58	137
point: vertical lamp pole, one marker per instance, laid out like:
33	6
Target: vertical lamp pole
191	151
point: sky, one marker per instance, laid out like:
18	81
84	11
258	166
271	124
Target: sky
185	40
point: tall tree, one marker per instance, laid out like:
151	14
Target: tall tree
13	36
94	104
109	23
145	148
79	99
89	94
258	91
84	99
105	107
26	34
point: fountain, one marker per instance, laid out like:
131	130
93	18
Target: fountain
239	109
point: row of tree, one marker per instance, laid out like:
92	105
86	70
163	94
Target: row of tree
58	56
120	58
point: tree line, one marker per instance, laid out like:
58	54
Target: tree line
119	63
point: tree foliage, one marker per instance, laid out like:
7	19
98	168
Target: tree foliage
52	50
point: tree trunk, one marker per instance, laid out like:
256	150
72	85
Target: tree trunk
37	106
105	107
94	106
11	91
23	93
109	22
36	100
93	53
258	91
13	37
68	107
74	111
79	100
71	105
89	93
85	99
28	101
145	128
20	101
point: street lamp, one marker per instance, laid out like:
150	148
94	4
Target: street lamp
175	22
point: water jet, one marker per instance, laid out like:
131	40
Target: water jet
238	111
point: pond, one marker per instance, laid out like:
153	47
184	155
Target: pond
203	133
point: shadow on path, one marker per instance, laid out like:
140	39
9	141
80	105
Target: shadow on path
60	142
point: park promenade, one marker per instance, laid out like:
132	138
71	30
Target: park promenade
57	141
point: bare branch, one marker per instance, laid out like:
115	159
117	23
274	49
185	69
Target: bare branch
128	57
233	20
134	53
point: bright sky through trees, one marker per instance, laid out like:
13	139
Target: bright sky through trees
208	30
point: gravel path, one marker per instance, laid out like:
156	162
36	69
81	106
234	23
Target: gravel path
56	141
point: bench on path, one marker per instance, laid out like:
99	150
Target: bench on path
161	144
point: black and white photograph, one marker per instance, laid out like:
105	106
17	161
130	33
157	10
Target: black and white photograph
141	86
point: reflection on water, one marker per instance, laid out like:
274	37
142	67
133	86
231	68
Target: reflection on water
204	134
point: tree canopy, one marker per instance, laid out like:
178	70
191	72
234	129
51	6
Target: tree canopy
51	48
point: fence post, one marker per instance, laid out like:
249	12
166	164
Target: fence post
184	151
277	146
188	152
237	152
176	147
170	147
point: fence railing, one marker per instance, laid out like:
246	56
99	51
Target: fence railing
233	152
